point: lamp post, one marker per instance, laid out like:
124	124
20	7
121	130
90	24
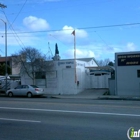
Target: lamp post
4	6
5	51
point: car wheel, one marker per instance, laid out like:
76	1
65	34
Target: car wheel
29	94
10	94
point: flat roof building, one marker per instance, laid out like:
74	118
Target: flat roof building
127	73
67	76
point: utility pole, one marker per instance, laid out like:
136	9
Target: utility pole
4	6
73	33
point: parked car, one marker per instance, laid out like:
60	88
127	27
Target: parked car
25	90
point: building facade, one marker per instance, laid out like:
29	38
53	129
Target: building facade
127	73
13	70
67	76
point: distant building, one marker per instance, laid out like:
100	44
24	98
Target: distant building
14	70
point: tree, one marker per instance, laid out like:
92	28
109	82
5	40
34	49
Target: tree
110	63
105	62
2	69
31	61
56	49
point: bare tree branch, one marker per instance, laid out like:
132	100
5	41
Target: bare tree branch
30	60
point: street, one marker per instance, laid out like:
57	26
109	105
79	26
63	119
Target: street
67	119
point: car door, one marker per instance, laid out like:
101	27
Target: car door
17	90
24	90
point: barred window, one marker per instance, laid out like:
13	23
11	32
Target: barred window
40	75
138	73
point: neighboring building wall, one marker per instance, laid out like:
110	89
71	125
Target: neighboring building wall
127	73
14	70
111	83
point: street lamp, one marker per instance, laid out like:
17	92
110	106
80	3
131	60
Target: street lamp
5	51
4	6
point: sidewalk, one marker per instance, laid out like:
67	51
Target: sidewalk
93	94
87	94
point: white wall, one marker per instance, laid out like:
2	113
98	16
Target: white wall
100	81
66	76
91	63
62	77
25	79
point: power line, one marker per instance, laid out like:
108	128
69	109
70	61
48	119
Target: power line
81	28
101	38
109	26
15	34
11	25
62	7
18	13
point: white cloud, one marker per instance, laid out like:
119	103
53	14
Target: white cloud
18	40
80	53
67	30
66	34
35	24
130	46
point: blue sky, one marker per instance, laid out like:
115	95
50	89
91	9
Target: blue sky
36	22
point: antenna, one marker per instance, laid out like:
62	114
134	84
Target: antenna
49	53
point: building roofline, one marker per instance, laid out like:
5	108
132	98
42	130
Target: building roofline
130	52
101	67
3	59
81	59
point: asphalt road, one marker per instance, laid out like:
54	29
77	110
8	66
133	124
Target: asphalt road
67	119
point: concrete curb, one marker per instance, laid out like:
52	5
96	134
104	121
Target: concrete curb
120	98
88	97
93	98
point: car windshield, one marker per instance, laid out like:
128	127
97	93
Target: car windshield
34	86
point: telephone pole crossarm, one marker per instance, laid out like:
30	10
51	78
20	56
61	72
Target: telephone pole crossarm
3	6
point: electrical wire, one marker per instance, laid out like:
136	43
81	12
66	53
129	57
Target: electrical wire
14	33
82	28
18	13
11	25
66	6
101	38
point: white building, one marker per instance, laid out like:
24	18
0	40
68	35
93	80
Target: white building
127	73
64	78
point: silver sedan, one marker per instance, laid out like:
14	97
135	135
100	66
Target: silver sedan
25	90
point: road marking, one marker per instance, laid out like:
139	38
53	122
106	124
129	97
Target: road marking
18	120
67	111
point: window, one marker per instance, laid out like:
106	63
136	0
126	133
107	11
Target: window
68	66
40	75
138	73
19	87
97	74
34	86
24	86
